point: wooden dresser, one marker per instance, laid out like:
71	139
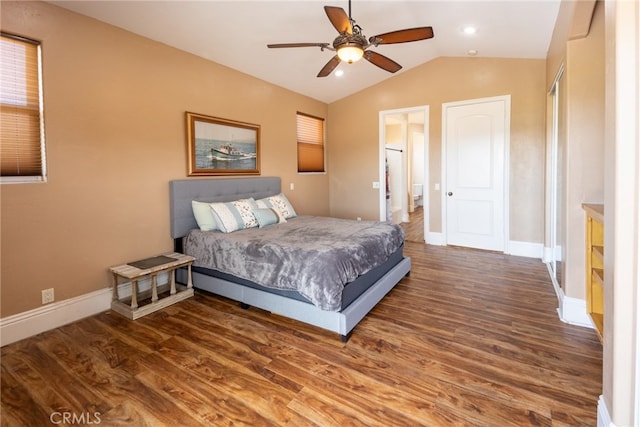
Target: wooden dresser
595	264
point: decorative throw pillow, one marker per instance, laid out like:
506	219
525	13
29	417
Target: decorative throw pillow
236	215
204	216
280	203
267	216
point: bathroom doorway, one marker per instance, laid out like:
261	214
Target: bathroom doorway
404	170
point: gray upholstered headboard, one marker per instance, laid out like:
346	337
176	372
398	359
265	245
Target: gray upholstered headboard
183	191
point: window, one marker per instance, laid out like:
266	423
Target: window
21	122
310	143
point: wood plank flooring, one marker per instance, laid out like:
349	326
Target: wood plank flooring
414	229
471	338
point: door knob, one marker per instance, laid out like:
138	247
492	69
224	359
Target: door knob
449	193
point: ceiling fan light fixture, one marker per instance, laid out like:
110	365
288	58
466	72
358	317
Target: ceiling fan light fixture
350	52
350	45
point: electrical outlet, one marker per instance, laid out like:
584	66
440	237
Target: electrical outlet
47	296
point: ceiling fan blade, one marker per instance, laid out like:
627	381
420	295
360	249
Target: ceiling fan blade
382	61
279	45
403	36
329	67
339	19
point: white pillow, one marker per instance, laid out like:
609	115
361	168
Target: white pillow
280	203
236	215
204	216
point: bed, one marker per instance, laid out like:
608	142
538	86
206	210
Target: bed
339	313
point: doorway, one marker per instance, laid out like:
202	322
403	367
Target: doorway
404	168
475	148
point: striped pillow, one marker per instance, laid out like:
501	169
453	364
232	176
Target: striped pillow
236	215
279	203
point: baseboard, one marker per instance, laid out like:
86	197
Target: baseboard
29	323
574	312
550	253
604	420
525	249
570	310
23	325
435	239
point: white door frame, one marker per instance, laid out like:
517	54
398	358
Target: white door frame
505	177
382	154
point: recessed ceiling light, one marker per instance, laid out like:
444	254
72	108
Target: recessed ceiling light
470	30
339	73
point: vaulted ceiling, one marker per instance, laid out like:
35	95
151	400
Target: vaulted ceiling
236	34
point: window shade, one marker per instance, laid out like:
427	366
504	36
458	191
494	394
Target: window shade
310	131
21	139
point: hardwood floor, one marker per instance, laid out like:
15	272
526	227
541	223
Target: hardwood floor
470	338
414	229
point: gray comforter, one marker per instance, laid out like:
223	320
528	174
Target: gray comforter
315	256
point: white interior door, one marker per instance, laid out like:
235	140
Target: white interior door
476	135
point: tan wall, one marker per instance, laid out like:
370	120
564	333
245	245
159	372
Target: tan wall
353	134
585	143
114	112
581	129
393	134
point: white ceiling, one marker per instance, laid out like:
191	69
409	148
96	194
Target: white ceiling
235	34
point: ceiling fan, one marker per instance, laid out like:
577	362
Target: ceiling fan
351	44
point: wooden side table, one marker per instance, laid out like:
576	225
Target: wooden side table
150	268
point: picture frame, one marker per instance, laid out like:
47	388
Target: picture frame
217	146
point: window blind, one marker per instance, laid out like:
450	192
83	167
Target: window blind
21	136
310	131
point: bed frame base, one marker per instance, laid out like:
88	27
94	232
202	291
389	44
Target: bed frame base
341	322
183	191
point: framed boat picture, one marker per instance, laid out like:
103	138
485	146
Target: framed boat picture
218	146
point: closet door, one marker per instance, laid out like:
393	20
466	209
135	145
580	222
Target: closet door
476	133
